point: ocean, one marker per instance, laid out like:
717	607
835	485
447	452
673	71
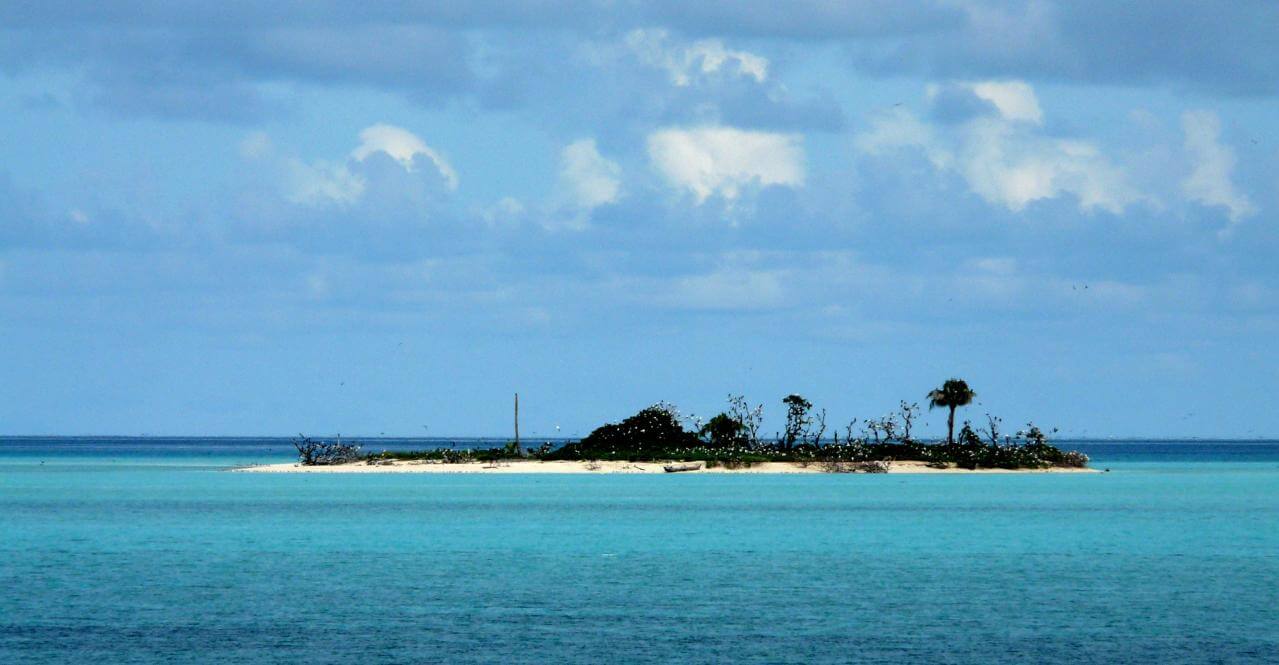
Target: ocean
148	551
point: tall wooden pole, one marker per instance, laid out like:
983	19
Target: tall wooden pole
517	420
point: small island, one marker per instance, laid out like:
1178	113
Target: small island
656	440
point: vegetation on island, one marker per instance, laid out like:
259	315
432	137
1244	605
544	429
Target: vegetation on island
952	394
318	452
732	439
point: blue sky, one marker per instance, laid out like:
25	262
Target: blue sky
264	218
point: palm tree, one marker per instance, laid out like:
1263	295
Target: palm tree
952	395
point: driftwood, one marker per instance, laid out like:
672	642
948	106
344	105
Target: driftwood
676	468
875	466
868	466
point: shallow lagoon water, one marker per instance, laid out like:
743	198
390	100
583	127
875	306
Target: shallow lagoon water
149	551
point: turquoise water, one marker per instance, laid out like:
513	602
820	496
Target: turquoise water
148	551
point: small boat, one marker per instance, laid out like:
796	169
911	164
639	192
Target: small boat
689	466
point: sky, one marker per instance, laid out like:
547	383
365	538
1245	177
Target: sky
248	218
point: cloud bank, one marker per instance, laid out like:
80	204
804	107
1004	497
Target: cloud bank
725	161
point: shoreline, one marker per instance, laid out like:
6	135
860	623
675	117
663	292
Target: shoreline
577	467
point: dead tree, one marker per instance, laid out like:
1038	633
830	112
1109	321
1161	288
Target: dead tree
992	429
317	452
909	412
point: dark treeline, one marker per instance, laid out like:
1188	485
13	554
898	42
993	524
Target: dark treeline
733	439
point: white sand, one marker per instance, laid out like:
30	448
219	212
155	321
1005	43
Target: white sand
533	466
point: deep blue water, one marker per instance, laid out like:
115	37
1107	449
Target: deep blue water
146	550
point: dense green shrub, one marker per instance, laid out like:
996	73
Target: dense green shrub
653	433
730	439
723	431
656	434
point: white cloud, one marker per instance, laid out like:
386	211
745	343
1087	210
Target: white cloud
901	129
1006	159
1210	181
321	182
344	181
1015	100
1015	168
589	179
685	63
709	161
403	146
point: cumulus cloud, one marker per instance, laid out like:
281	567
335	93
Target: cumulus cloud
901	130
1015	100
404	147
344	182
590	179
1004	156
320	183
716	160
587	180
1213	163
655	76
686	63
1015	168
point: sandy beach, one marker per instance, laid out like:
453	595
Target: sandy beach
534	466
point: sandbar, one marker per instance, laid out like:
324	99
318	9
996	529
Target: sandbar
537	466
